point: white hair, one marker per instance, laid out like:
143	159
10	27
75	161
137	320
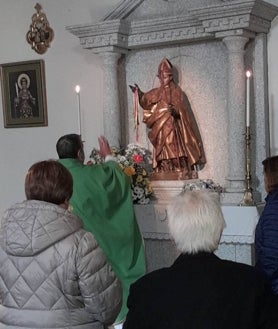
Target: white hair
196	221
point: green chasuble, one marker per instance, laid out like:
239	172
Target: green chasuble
102	199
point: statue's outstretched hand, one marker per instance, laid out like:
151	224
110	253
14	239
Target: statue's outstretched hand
134	88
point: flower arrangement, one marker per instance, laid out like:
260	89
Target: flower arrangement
135	162
204	184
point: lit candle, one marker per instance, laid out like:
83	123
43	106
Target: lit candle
248	75
77	90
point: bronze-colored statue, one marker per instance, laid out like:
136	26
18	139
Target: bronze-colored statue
173	132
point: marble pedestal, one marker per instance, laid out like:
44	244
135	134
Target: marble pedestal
237	241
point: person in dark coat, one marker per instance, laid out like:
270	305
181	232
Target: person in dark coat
266	235
200	290
53	273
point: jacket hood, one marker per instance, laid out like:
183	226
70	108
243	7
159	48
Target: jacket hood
29	227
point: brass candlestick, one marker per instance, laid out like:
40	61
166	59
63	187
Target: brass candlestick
248	196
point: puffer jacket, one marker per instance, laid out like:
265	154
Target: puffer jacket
266	240
52	272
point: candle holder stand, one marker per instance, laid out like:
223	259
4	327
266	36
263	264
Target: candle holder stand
248	195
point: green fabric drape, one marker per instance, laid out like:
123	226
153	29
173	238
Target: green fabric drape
102	199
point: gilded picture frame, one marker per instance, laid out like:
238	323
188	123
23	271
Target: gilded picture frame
24	94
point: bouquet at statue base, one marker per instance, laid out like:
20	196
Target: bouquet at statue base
207	184
135	161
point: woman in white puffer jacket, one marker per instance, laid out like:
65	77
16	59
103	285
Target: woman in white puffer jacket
52	272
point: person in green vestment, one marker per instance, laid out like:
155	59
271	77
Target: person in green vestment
102	199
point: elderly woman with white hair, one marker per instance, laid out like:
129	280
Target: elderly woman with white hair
200	290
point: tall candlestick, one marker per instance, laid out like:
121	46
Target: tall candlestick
248	196
77	90
248	75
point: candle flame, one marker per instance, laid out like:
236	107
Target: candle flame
77	89
248	74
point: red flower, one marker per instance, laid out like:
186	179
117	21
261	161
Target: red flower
137	158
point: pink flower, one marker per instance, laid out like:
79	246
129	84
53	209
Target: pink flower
137	158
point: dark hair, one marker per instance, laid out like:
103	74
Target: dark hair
48	181
271	172
68	146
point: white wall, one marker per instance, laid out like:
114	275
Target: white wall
67	64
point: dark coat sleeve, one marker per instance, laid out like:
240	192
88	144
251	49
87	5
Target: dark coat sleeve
266	242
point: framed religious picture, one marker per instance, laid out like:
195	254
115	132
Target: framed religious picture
23	94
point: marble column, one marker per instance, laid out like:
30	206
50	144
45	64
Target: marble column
111	110
260	132
236	112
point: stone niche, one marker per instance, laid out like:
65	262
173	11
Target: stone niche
211	43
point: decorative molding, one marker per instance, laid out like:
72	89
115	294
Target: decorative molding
118	32
229	9
113	41
100	28
225	239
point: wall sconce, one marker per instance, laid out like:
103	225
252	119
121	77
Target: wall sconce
40	34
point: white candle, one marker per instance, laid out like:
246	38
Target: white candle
77	90
248	75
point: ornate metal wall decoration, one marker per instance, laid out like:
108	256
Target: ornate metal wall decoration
40	34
